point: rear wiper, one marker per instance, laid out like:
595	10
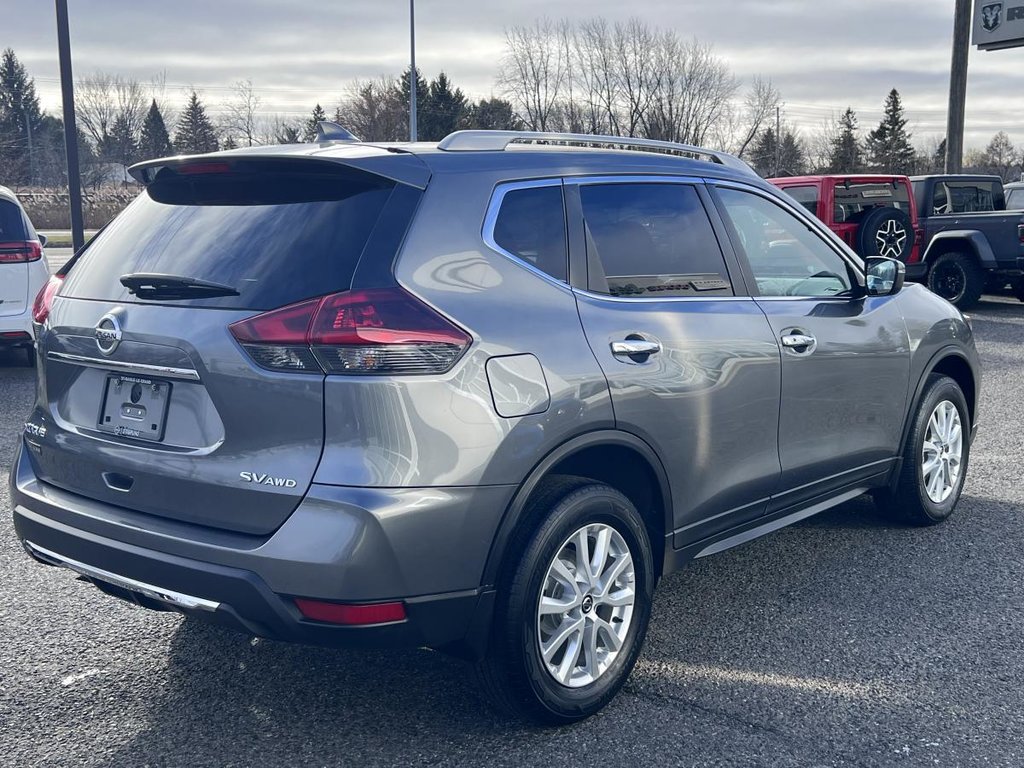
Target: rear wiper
170	287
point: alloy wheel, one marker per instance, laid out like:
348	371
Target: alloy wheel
891	238
586	605
942	452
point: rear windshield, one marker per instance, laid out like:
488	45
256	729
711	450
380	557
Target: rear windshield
276	238
854	201
12	223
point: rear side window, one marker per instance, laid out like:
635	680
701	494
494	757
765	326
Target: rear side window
275	237
854	201
12	223
531	226
963	197
651	240
806	196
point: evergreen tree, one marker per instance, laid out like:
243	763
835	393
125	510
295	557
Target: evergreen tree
493	115
20	121
792	158
120	145
195	132
154	141
230	143
763	154
939	161
309	128
444	112
422	98
845	156
888	147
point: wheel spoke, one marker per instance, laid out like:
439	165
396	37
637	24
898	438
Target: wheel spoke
600	557
583	554
602	627
560	571
548	605
622	597
571	658
590	648
613	573
559	638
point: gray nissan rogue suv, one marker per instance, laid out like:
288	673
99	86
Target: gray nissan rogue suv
478	396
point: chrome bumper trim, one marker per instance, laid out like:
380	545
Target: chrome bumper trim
148	590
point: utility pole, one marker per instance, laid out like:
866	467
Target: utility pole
31	155
413	78
70	128
778	140
958	87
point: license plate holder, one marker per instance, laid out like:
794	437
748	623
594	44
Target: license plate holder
135	406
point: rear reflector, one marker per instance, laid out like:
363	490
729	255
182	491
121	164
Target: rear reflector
16	336
381	331
20	251
351	615
44	299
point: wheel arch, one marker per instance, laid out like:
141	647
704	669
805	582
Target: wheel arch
617	458
949	361
967	241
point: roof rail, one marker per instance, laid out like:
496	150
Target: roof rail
496	141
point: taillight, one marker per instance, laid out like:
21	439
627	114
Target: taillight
44	299
20	251
380	331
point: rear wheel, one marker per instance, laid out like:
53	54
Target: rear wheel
935	458
957	278
573	609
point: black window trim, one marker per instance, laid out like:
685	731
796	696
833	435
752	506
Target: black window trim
734	268
816	227
491	219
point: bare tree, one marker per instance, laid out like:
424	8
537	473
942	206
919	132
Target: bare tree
759	106
533	72
636	71
373	110
96	105
594	72
241	115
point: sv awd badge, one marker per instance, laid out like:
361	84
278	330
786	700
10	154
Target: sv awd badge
256	477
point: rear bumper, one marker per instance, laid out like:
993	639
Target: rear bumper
329	549
21	325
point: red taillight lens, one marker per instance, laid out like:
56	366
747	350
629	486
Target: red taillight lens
197	169
352	615
380	331
44	299
20	251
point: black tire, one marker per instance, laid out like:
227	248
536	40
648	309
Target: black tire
957	278
30	354
909	500
513	673
1018	288
886	232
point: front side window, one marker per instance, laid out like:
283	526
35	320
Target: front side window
531	226
786	257
651	241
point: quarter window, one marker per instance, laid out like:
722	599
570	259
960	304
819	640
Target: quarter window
531	226
786	257
651	241
806	196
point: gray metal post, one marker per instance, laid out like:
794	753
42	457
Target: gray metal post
958	87
70	128
413	79
31	154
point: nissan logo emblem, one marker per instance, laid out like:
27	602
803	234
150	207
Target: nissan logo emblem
108	334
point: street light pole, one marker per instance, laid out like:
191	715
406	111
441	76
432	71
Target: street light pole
70	128
413	79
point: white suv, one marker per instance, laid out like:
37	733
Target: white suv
23	272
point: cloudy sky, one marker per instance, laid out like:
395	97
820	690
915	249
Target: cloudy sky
822	54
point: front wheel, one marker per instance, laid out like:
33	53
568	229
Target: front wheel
573	608
935	457
957	278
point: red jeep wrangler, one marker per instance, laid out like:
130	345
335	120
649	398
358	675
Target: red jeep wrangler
874	215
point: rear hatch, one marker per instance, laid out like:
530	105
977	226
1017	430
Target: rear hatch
154	403
15	253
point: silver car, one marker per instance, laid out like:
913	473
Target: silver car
478	396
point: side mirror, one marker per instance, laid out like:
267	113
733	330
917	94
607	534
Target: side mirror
43	239
884	276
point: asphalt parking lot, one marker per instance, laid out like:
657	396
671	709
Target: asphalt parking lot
845	640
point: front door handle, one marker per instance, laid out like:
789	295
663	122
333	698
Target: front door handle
637	350
799	342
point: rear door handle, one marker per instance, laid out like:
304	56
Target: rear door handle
635	348
799	342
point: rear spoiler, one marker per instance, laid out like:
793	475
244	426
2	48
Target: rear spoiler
402	167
